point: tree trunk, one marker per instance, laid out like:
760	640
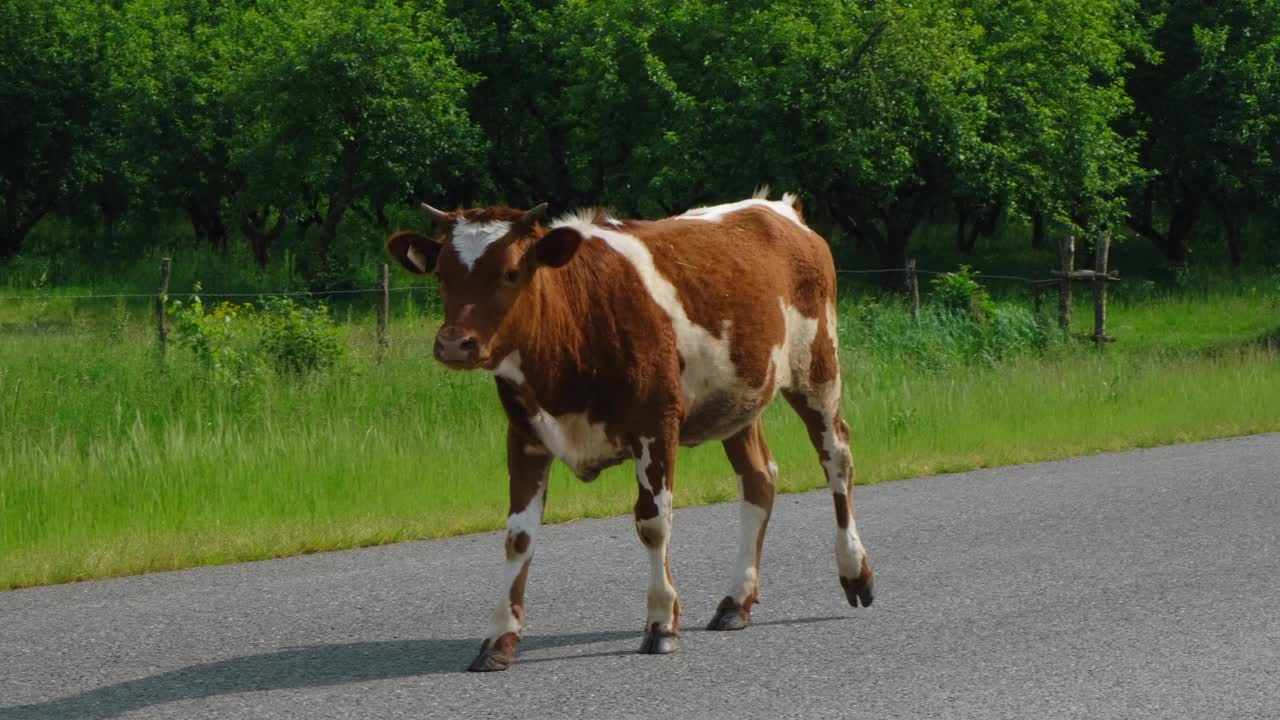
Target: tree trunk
1230	226
10	244
892	250
15	234
888	234
1233	242
207	223
1184	213
900	220
260	238
1037	230
17	223
328	231
339	201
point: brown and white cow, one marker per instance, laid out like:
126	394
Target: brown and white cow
614	340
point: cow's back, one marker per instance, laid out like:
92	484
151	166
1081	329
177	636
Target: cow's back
746	292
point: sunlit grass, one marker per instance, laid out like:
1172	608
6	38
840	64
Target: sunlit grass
112	465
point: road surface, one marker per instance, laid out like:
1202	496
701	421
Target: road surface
1143	584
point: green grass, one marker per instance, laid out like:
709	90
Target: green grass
112	466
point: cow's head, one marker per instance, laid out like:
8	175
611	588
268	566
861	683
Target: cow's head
484	259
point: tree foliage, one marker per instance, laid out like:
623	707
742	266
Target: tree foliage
259	119
54	114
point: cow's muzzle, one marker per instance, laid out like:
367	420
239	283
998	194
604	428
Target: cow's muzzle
458	349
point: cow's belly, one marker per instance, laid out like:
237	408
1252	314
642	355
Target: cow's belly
721	413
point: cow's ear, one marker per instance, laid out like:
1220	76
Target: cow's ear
557	248
415	251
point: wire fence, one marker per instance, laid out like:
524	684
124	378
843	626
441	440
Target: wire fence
983	275
205	293
412	288
1062	279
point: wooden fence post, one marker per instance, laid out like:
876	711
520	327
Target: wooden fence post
1102	246
1066	258
913	290
1037	291
162	301
384	306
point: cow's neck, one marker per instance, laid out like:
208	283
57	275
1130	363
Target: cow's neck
543	335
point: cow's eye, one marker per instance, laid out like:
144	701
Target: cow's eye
512	275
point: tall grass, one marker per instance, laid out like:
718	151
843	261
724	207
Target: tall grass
113	463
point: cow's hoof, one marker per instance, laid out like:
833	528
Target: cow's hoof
493	657
657	642
730	616
859	589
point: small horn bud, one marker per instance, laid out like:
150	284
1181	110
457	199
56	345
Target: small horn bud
534	214
439	216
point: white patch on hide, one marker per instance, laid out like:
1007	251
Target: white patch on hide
708	366
470	240
716	213
509	369
849	551
746	575
791	359
527	521
662	594
574	440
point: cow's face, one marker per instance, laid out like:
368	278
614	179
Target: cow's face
484	260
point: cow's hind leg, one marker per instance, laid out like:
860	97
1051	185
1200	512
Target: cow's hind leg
819	408
655	468
756	473
527	465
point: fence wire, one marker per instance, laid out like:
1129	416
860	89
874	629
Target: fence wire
411	288
977	274
278	293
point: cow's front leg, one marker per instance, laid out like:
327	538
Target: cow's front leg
655	468
527	465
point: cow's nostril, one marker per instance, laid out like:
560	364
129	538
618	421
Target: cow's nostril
469	345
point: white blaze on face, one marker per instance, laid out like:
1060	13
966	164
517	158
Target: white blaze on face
716	213
708	366
470	240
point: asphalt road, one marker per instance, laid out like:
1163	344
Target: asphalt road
1132	585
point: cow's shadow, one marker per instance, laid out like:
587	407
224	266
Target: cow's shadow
305	667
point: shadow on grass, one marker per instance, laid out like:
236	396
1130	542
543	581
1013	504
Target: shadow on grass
308	667
1266	341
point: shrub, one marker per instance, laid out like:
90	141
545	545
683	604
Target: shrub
297	340
237	342
960	292
221	339
942	339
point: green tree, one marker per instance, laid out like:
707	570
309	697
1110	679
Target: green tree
174	121
508	47
1209	116
337	103
53	124
867	107
1053	82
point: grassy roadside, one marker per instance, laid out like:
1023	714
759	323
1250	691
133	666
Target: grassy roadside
111	467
